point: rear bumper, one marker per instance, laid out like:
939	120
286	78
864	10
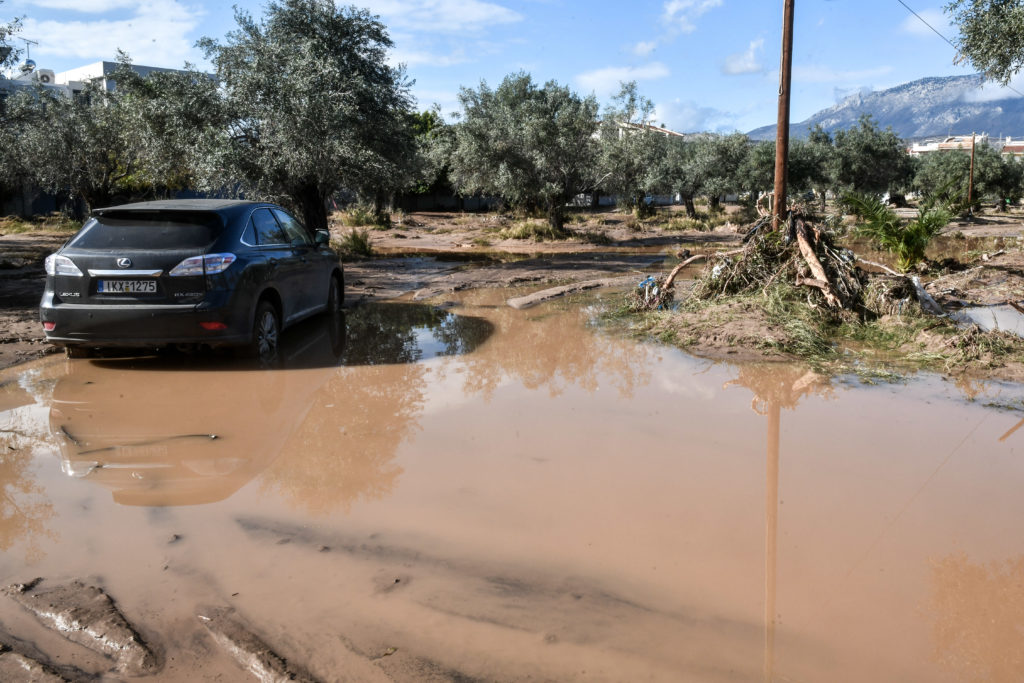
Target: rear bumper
141	326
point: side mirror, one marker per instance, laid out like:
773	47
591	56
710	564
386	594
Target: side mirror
323	238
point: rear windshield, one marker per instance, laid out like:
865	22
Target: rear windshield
149	230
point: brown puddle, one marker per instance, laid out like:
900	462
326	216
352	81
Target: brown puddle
488	494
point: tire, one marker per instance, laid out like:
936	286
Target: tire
266	334
335	294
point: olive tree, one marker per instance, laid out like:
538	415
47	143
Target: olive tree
75	147
176	119
533	146
10	171
630	149
868	159
721	159
991	36
681	172
943	176
8	55
309	106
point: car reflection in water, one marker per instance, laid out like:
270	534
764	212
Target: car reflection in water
185	430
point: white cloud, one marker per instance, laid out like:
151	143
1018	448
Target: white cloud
824	74
990	92
683	14
745	62
690	117
606	81
645	47
425	58
85	6
935	17
156	34
442	16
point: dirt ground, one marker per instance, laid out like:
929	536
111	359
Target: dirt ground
427	255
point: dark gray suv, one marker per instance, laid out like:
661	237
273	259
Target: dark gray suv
188	272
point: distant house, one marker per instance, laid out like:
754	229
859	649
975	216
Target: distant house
948	144
1013	149
70	82
626	126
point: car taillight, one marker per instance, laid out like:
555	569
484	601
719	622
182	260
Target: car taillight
211	264
213	326
49	327
61	265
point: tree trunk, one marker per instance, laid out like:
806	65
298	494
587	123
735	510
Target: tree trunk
821	195
314	209
691	210
714	202
556	218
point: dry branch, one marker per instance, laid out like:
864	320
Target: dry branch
696	257
821	280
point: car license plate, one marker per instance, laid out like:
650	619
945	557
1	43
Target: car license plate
126	287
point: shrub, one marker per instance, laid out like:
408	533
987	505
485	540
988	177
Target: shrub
531	229
355	243
882	226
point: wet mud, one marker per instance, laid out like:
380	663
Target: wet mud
246	648
472	492
86	615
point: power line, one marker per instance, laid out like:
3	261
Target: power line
927	24
951	44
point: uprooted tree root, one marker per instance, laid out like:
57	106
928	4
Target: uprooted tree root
802	255
794	292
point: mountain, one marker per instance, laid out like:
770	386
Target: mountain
930	107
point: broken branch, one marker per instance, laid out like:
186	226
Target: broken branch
807	251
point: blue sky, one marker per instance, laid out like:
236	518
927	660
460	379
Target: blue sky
706	64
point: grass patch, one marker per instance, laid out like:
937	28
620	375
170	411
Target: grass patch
703	222
598	237
54	222
355	243
537	230
481	242
362	216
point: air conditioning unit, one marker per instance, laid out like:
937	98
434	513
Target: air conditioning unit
45	76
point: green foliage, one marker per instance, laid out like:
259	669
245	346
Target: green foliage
991	33
868	159
73	147
532	146
175	118
357	217
309	106
907	242
943	177
8	54
355	243
630	150
434	142
536	230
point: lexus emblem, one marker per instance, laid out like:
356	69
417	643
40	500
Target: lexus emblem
124	263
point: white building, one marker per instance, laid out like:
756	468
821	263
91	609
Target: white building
73	81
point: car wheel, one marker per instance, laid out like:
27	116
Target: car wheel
335	294
266	331
79	352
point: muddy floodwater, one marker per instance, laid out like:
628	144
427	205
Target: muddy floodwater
478	493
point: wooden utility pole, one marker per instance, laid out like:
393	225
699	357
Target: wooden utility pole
782	130
970	181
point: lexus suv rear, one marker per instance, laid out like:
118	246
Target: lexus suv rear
187	272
